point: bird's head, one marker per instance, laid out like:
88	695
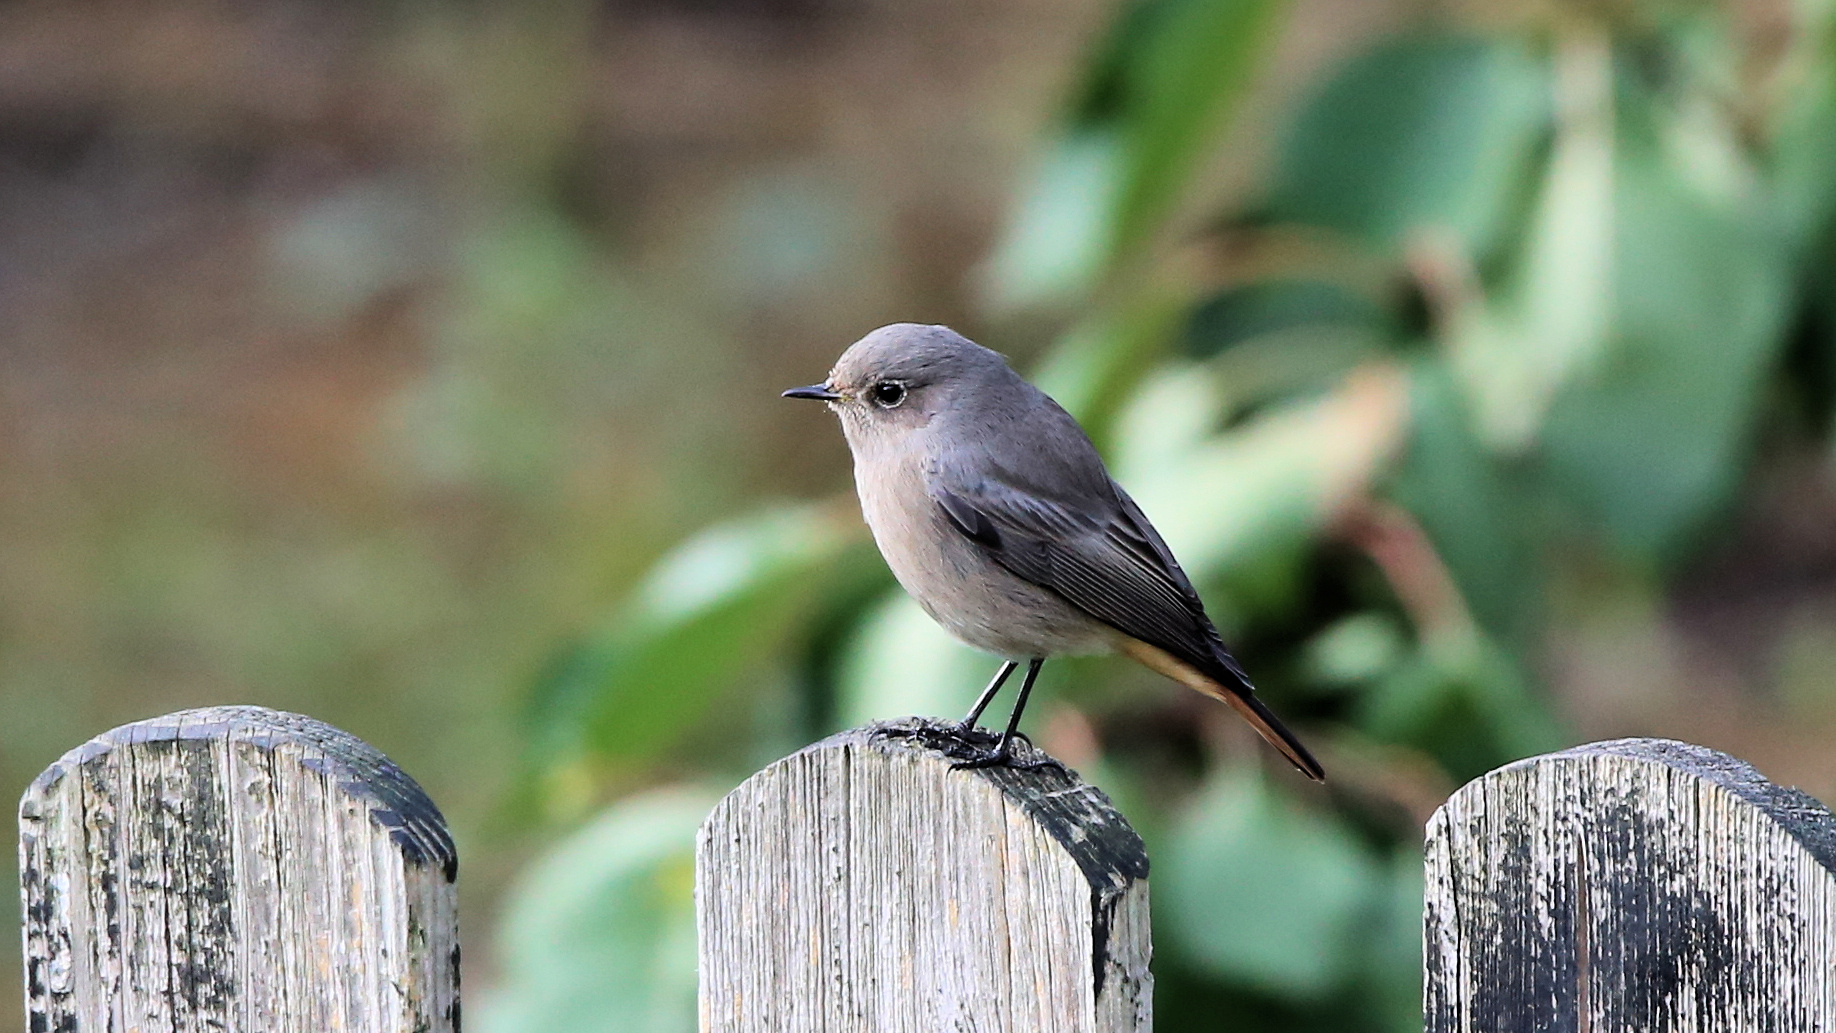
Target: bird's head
898	378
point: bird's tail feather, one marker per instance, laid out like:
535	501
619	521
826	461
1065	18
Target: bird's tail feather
1274	732
1241	698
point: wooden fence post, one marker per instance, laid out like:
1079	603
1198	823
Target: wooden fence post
236	869
1634	885
863	884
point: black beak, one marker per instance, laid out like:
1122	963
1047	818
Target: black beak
820	392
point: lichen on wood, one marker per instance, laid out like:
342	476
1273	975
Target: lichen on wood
239	869
1634	885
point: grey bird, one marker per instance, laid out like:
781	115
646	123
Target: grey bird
996	514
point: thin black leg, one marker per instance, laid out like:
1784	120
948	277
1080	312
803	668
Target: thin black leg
1002	754
988	694
1026	689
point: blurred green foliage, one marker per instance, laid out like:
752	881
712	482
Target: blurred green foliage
600	934
1509	308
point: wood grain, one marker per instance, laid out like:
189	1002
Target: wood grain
237	869
1634	885
862	884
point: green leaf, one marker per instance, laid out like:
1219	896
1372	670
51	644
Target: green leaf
901	662
1470	706
1058	242
1514	347
1393	956
1279	307
1423	131
1277	341
598	936
1191	60
1354	650
1654	444
1471	506
1803	147
707	616
1262	892
1233	504
1098	362
1156	97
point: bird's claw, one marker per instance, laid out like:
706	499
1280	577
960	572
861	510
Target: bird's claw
1045	761
994	759
1002	756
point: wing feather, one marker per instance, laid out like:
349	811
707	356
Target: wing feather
1110	563
1112	566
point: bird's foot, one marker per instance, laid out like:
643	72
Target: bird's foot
1041	763
1002	756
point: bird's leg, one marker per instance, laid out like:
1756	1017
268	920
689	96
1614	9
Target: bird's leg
988	694
1026	689
1003	753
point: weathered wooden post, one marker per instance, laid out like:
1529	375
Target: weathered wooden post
1636	885
864	884
236	869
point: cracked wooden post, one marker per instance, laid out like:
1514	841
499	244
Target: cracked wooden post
236	869
1634	885
863	884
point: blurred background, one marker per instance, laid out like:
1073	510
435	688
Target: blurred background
415	366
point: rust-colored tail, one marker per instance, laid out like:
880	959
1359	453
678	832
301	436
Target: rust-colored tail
1273	732
1242	700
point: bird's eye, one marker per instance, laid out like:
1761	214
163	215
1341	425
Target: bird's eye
888	394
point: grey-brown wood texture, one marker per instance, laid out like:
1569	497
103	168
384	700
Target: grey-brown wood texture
1634	885
863	885
236	869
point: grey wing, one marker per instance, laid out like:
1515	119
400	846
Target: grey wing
1104	559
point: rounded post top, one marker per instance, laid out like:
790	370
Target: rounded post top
1077	815
1798	813
393	799
1623	884
873	881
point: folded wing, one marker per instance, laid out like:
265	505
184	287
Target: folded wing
1103	557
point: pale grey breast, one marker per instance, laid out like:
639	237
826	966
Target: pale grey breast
961	588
